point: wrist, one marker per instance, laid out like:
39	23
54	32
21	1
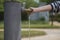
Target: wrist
31	9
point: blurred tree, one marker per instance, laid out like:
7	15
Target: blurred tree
1	5
48	1
1	9
30	3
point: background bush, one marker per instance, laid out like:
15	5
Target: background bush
1	16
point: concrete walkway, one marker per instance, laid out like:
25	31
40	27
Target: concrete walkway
1	29
55	23
52	34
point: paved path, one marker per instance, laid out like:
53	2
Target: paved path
1	29
56	23
52	34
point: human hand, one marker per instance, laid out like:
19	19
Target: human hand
29	11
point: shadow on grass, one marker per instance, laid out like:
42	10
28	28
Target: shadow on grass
25	34
1	24
32	33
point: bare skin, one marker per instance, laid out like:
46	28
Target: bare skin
43	8
40	9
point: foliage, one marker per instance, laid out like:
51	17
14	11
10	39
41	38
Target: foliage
29	3
1	25
48	1
1	15
1	5
55	17
58	17
42	19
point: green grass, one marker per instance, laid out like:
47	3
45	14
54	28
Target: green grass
26	34
1	35
33	33
37	24
1	25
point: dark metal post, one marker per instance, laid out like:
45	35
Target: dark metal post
12	21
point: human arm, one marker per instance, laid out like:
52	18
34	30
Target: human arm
54	7
42	9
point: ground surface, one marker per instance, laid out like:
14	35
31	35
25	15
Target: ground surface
1	29
52	34
56	23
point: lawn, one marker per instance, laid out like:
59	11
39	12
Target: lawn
26	34
1	35
39	26
33	24
1	25
32	33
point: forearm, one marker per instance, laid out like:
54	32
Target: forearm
43	8
54	7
